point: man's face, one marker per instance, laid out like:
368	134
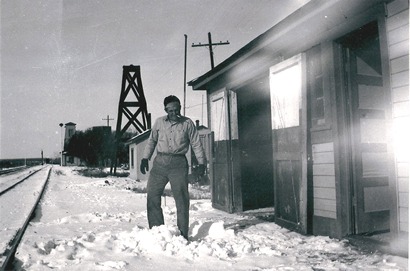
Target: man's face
173	110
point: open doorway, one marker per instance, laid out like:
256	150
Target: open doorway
255	144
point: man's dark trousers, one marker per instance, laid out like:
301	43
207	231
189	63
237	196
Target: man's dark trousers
172	168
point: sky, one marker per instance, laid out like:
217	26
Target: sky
106	229
62	60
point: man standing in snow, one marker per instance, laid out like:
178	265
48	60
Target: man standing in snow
171	135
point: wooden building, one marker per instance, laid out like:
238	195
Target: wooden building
136	146
312	117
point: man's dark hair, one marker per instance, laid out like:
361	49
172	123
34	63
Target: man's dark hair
170	99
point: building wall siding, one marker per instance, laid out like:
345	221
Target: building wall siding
324	180
398	43
133	157
138	151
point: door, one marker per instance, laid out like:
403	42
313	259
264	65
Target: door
222	174
289	135
369	153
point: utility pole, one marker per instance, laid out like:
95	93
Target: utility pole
185	73
210	44
61	144
108	120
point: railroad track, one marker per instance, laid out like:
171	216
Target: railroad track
12	178
10	170
20	194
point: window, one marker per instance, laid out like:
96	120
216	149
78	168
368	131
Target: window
218	112
220	121
285	81
315	86
132	157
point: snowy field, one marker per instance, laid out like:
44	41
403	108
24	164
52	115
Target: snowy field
101	224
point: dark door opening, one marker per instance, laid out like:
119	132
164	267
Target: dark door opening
255	145
366	106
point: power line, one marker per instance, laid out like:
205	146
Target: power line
210	44
195	105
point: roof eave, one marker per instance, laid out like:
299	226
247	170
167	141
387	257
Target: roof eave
138	138
314	10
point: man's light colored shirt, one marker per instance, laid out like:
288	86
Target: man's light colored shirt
174	138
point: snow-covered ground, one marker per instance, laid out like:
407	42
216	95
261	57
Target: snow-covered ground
100	224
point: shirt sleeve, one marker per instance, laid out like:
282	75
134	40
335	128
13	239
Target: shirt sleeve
196	143
152	141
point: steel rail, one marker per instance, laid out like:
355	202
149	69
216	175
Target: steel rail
9	170
22	180
14	243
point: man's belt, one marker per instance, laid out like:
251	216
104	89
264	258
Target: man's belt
171	154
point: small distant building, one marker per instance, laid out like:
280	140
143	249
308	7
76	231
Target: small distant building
69	131
67	160
137	145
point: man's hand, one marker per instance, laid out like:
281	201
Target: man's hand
144	165
201	170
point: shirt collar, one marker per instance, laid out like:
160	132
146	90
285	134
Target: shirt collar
179	119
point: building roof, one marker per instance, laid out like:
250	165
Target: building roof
70	124
314	22
139	138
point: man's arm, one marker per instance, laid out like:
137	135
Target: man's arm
152	142
196	143
149	148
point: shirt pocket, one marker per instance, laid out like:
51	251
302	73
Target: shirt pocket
163	137
181	136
